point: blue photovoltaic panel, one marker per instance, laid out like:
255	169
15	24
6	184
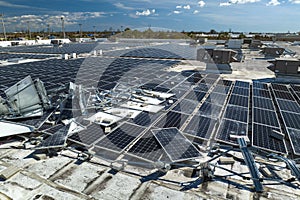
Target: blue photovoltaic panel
230	127
177	146
263	103
262	137
236	113
239	100
242	84
240	91
286	105
259	85
279	87
210	110
266	117
195	95
172	119
186	106
200	126
291	119
120	137
261	93
284	95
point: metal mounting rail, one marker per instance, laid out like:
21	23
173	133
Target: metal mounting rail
290	164
249	160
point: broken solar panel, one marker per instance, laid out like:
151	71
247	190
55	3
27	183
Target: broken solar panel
221	89
177	147
120	137
262	137
195	95
172	119
216	98
58	139
88	136
145	118
200	126
147	147
230	127
294	135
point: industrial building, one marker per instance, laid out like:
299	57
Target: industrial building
147	119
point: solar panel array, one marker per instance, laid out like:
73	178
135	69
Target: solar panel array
204	106
236	115
289	110
265	120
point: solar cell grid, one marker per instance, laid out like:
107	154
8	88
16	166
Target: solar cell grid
186	106
291	119
279	87
216	98
264	103
172	119
195	95
224	82
201	87
284	95
236	113
177	146
261	93
291	106
200	126
242	84
120	137
221	89
262	137
210	110
240	91
239	100
295	139
266	117
230	127
296	88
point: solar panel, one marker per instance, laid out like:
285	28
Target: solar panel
261	93
201	87
236	113
259	85
147	147
266	117
200	126
230	127
242	84
291	119
221	89
87	136
279	87
295	139
296	88
284	95
58	139
240	91
120	137
195	95
224	83
216	98
186	106
210	110
287	105
262	137
172	119
239	100
263	103
145	118
177	147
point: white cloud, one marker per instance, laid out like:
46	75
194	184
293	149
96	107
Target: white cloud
178	7
176	12
122	6
196	11
273	3
145	12
187	7
237	2
225	4
201	3
295	1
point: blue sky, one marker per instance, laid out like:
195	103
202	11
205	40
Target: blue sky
197	15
